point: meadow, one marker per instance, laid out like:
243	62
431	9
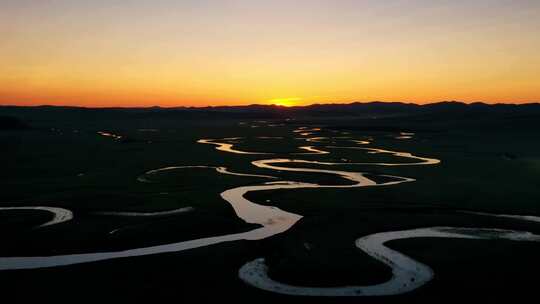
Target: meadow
91	163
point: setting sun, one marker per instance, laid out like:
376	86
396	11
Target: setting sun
285	102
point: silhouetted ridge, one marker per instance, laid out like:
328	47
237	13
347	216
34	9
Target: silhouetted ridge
374	109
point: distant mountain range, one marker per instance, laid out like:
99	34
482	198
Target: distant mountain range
356	109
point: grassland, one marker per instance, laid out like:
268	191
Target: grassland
490	163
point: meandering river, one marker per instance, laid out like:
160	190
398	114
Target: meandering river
408	274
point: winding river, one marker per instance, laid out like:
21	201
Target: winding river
226	147
408	274
60	215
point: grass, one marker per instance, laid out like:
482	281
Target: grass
62	161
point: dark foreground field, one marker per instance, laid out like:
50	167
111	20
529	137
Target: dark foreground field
55	157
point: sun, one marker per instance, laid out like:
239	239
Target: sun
285	102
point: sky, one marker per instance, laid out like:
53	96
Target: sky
231	52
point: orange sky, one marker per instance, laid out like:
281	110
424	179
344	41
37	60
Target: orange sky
198	53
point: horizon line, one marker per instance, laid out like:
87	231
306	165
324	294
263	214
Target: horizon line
275	105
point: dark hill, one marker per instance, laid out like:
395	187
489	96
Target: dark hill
451	109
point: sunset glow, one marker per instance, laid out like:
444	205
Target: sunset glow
198	53
286	102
